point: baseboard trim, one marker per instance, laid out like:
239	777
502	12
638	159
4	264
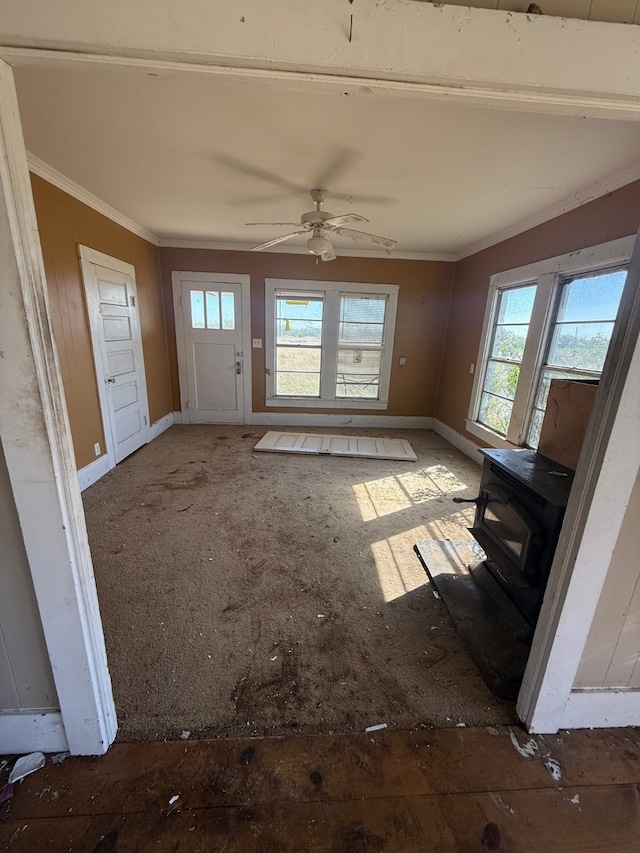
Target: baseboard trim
468	447
299	419
177	418
92	472
161	425
601	709
32	732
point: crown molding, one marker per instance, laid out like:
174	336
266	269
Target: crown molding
300	250
48	173
612	182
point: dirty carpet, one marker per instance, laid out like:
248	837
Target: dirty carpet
249	593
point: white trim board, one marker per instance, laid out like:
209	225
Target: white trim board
363	447
19	732
587	709
95	470
346	420
161	425
459	441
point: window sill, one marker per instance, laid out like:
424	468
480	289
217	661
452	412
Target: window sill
307	403
492	438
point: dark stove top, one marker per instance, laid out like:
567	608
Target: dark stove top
543	476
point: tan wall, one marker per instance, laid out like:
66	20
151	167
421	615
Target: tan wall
607	218
611	656
63	223
423	302
26	680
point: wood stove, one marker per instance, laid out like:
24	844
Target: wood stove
519	514
493	585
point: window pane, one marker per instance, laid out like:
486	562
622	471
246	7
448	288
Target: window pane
362	319
533	437
297	384
535	428
358	373
509	341
213	309
502	379
495	413
298	322
581	333
228	311
197	309
580	345
298	371
516	305
303	359
593	297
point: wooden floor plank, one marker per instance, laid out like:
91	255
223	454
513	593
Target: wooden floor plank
247	772
580	820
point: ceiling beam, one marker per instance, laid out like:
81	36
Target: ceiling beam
488	57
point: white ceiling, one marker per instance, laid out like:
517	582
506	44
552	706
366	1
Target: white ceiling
192	157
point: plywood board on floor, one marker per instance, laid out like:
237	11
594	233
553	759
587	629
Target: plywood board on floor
364	447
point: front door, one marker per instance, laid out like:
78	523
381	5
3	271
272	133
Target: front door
211	338
117	345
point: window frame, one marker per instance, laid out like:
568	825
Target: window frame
548	276
330	291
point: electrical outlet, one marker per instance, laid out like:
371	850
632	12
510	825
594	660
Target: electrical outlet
402	361
96	449
472	367
257	343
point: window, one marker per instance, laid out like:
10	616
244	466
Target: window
329	344
211	309
551	320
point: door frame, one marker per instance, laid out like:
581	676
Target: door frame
87	257
36	438
244	281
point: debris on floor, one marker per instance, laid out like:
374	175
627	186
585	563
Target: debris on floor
376	728
26	765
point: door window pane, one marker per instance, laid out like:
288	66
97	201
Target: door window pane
228	311
197	309
213	309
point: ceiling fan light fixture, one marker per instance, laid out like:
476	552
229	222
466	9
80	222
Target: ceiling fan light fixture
318	244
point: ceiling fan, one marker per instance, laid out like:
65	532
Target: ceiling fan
320	224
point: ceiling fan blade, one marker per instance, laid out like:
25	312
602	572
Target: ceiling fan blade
337	221
385	242
272	223
276	241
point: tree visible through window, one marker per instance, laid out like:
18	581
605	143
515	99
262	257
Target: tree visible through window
507	349
550	320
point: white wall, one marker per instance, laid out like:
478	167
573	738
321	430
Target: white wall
611	657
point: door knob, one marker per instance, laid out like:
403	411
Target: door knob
111	379
238	367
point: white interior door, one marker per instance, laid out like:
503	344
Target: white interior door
211	332
117	344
